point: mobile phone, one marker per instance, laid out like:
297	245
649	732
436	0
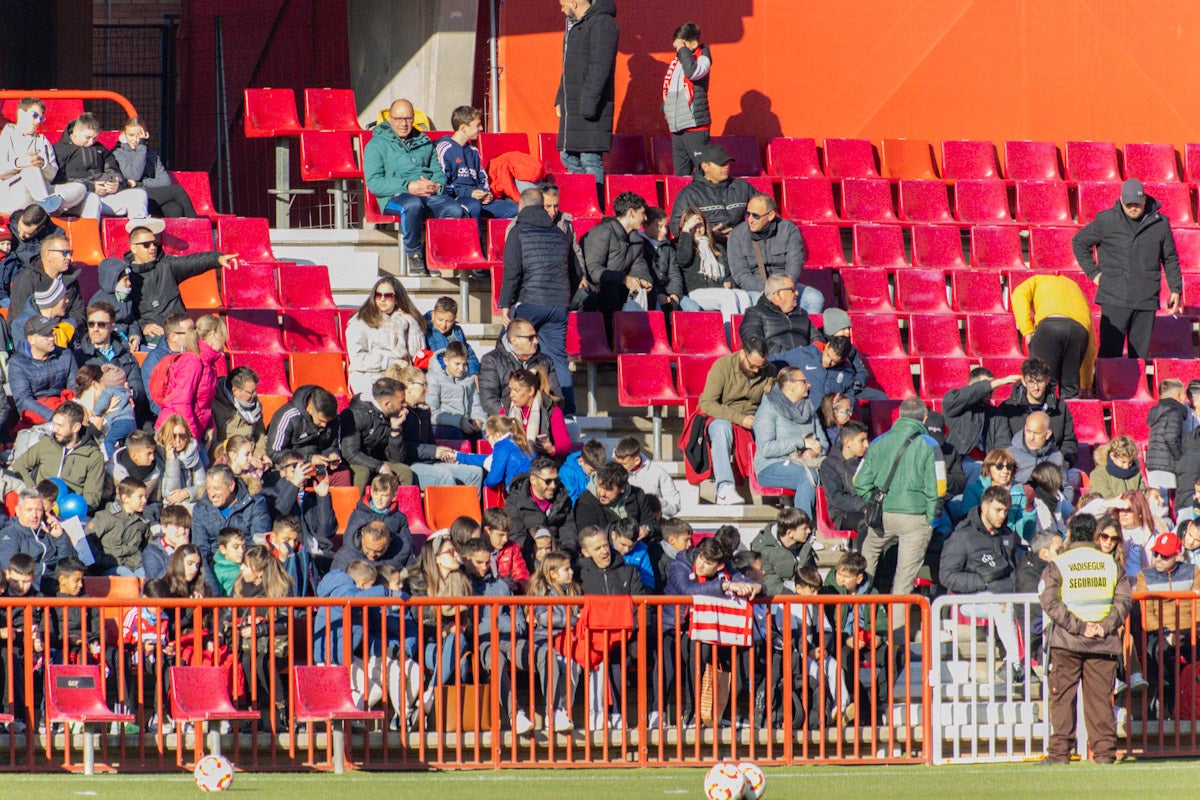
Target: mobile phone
320	471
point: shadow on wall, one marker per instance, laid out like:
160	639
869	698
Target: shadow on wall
641	108
755	119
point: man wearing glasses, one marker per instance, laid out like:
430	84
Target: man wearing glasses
518	349
1123	250
97	345
402	171
156	277
40	372
52	263
28	164
539	500
763	246
1035	392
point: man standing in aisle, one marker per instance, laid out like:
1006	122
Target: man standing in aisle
1088	599
585	101
1133	244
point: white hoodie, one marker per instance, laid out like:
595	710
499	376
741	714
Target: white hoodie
653	479
14	145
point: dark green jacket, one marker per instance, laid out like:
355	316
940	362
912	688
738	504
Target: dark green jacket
921	478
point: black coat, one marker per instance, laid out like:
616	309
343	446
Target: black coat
32	279
1187	470
586	93
539	262
1166	435
721	203
619	578
590	511
612	254
497	365
782	331
156	284
837	479
968	412
292	429
1009	418
527	517
1129	258
367	438
974	560
1028	577
687	257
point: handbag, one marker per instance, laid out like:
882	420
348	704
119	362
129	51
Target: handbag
638	300
873	508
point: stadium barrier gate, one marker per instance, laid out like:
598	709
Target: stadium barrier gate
467	670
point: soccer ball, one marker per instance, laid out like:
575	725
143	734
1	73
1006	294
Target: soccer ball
724	782
756	782
213	773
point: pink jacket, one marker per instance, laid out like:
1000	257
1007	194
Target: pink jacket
191	389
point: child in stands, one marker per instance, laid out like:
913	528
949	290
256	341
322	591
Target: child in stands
651	478
507	561
623	535
442	328
227	563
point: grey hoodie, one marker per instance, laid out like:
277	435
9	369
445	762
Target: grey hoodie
450	399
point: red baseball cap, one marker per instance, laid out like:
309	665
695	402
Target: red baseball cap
1167	545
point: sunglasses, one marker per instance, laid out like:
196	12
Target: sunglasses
66	253
1106	537
756	217
144	244
385	295
1004	467
39	116
97	323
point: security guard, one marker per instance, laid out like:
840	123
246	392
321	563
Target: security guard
1087	598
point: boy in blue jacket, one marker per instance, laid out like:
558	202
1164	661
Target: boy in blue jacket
466	180
442	328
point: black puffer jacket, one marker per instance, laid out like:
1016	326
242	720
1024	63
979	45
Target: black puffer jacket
1166	435
83	164
974	560
586	90
590	511
664	268
527	517
968	412
837	479
1187	470
502	361
367	436
32	279
782	331
156	283
292	429
612	254
619	578
721	203
1129	258
539	262
1010	417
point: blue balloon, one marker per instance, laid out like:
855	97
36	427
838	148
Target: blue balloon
71	506
63	489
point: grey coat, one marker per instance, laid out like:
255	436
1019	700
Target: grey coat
451	399
782	248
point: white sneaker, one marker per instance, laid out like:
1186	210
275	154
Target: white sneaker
615	721
1138	682
524	724
1118	687
562	722
652	721
597	720
728	496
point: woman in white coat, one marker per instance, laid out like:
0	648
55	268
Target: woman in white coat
386	330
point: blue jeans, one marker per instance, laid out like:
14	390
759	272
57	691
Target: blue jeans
550	322
810	299
413	211
447	474
117	431
591	163
786	475
497	209
720	441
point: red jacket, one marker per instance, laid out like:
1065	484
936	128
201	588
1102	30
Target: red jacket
509	563
191	387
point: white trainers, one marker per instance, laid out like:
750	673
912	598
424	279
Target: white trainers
524	724
652	721
615	721
728	496
1138	682
562	722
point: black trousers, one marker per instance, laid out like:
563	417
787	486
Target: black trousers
1062	344
685	148
170	201
1118	324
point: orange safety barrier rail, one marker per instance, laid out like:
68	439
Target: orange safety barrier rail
70	94
1161	643
459	676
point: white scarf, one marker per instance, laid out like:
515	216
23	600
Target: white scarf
710	267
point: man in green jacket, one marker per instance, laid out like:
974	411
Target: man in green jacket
785	546
911	502
69	453
403	172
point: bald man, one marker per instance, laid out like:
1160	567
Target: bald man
402	171
1032	445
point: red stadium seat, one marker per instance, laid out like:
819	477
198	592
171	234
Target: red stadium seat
699	333
201	291
850	158
756	488
921	291
1088	416
270	113
672	186
200	695
793	158
1151	163
937	247
876	334
992	336
327	156
251	285
1096	197
1092	161
868	200
824	246
908	159
1176	201
453	244
586	337
693	373
640	332
322	694
662	155
627	155
1031	161
1187	247
1121	379
548	152
1129	418
577	195
866	290
311	331
763	184
271	369
75	694
1191	162
996	247
966	159
305	286
493	144
940	375
747	159
254	331
882	415
185	236
822	281
330	110
924	201
645	186
645	380
1182	369
809	200
934	335
976	292
1043	203
879	246
892	376
408	500
249	237
981	202
1050	250
199	190
444	504
825	527
1171	339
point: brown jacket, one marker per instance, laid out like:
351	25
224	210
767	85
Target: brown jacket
1171	615
1067	633
729	394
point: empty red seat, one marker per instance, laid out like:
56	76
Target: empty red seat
1176	202
809	200
408	500
908	158
937	247
1088	417
577	195
1171	339
747	160
587	339
996	247
548	152
940	375
850	158
452	244
672	186
201	695
1129	418
1191	162
1187	247
699	333
1050	250
866	290
645	186
645	379
879	246
311	331
976	292
75	694
891	375
251	285
270	113
322	694
254	331
876	334
882	415
966	159
924	201
793	158
693	373
921	291
824	246
328	155
1096	197
822	281
271	369
1092	161
981	202
249	237
992	335
1121	379
640	332
199	191
305	286
868	200
330	110
493	144
627	155
1151	163
1031	161
1043	203
934	335
1184	369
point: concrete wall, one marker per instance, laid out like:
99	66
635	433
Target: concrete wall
423	50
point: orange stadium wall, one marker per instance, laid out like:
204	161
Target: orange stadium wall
929	69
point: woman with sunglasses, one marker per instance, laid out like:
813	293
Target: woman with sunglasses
998	469
184	463
1108	538
1138	526
835	411
387	329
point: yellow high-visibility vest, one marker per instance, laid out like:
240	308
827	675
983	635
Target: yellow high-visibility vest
1089	580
